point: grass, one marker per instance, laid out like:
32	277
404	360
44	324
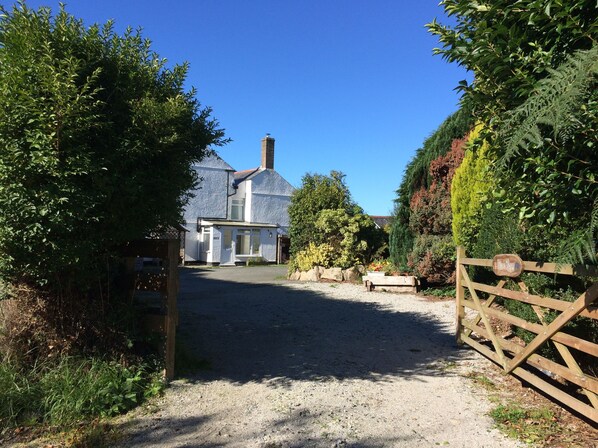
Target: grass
533	425
69	390
482	380
447	291
530	425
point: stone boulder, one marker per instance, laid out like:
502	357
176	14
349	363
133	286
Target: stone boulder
295	276
352	274
313	275
335	274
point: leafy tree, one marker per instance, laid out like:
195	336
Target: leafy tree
350	236
538	108
509	46
317	192
97	139
328	228
97	136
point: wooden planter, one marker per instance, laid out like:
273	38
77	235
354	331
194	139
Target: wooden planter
394	283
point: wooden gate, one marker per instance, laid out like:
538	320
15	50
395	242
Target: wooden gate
152	267
475	318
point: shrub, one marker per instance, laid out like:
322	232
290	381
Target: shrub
469	191
312	256
433	258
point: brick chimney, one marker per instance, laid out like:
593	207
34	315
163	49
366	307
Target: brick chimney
268	152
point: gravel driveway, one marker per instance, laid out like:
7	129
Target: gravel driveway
315	365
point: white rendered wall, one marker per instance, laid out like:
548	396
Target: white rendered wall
268	244
210	199
270	198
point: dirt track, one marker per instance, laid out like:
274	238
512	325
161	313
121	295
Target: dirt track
315	365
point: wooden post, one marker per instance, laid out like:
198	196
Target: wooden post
171	306
460	295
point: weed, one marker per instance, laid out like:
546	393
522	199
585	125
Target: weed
528	425
69	390
482	380
447	291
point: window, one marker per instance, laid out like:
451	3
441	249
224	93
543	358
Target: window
206	240
237	212
248	242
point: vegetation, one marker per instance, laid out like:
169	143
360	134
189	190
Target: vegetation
97	138
534	93
418	180
65	392
327	228
470	192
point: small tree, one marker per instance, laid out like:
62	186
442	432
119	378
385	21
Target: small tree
317	193
328	228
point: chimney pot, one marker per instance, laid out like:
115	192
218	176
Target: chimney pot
268	152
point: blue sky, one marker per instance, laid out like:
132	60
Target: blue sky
346	85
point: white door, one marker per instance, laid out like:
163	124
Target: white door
226	255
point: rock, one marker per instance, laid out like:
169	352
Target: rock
361	268
313	275
295	276
351	274
335	274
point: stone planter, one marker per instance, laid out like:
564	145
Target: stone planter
376	273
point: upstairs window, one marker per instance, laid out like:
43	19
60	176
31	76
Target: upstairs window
237	212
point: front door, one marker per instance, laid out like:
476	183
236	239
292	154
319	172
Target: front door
226	255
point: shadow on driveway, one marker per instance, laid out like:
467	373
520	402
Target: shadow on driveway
258	332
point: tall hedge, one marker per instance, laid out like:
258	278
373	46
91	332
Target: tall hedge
417	176
97	139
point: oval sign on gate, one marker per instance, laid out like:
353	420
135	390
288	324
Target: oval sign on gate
507	265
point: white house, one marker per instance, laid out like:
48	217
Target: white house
236	216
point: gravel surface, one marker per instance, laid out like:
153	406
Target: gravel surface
315	365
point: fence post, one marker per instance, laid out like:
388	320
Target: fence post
460	295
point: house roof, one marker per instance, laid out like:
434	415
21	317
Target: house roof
241	176
381	221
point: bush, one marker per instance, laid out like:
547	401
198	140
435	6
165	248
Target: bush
433	258
469	191
312	256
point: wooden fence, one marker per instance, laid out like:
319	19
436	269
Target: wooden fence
154	282
476	315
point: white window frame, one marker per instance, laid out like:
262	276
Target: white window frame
255	236
237	210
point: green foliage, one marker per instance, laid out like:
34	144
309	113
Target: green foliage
317	193
312	256
417	176
446	291
433	258
510	45
534	91
97	138
470	191
553	136
350	236
499	233
531	425
72	389
328	228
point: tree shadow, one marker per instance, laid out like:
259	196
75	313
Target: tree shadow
271	332
293	431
